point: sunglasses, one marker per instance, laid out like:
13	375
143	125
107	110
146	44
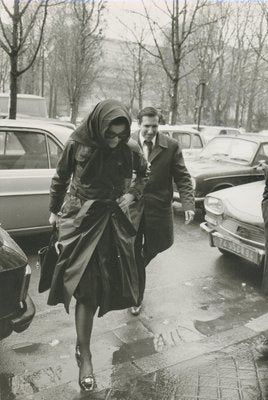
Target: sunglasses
112	135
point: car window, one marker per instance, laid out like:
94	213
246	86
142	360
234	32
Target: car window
24	150
230	149
233	131
262	153
183	138
13	145
196	142
54	152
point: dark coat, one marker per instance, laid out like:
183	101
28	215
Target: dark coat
167	166
96	237
81	229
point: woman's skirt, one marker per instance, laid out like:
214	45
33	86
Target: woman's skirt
97	264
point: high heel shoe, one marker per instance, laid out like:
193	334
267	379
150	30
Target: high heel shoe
86	383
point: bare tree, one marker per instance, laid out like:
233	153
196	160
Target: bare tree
4	69
175	46
14	39
77	44
136	64
258	46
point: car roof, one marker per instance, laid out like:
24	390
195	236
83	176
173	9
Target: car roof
246	136
23	96
59	131
177	128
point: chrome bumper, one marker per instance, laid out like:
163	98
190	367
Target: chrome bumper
233	246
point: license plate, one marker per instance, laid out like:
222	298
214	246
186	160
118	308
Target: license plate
237	248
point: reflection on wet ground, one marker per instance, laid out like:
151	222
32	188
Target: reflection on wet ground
191	295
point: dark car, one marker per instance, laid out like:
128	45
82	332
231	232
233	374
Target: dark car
234	221
16	307
225	162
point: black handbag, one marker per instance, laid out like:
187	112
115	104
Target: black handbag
47	260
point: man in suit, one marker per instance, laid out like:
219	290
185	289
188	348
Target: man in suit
164	155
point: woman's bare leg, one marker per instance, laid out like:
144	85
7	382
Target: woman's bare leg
84	315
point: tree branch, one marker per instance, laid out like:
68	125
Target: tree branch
39	42
6	9
5	35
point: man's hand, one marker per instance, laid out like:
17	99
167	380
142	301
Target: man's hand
54	219
125	201
189	216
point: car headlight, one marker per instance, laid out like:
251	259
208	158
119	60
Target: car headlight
213	205
193	182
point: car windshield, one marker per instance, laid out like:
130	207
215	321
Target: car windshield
230	149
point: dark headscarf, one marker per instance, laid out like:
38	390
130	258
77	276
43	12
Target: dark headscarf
91	133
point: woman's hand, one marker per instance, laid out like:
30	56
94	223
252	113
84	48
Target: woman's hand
125	201
54	219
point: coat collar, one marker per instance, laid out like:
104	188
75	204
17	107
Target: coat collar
160	145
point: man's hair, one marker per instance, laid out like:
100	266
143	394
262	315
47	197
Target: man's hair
147	112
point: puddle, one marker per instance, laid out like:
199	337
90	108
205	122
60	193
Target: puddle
155	344
134	350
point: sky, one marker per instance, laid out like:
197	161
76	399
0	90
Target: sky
127	11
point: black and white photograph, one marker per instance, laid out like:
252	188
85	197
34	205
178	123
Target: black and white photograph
134	199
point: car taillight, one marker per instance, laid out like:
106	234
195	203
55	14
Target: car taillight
26	282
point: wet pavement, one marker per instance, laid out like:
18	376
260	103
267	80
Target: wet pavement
192	339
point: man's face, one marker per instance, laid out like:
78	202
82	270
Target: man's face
149	127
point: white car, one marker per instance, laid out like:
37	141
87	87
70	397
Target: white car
29	151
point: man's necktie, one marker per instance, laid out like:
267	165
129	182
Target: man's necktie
148	146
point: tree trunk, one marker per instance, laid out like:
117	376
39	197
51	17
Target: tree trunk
74	112
50	105
252	95
14	63
174	102
55	103
13	87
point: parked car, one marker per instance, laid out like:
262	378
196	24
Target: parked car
227	161
234	221
16	307
208	131
27	105
30	106
29	151
190	140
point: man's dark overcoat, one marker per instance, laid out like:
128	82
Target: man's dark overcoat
167	166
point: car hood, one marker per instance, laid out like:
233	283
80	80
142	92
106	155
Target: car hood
243	202
201	166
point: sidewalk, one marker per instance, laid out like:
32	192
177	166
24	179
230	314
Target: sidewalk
224	366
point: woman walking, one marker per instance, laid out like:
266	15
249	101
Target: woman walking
97	264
